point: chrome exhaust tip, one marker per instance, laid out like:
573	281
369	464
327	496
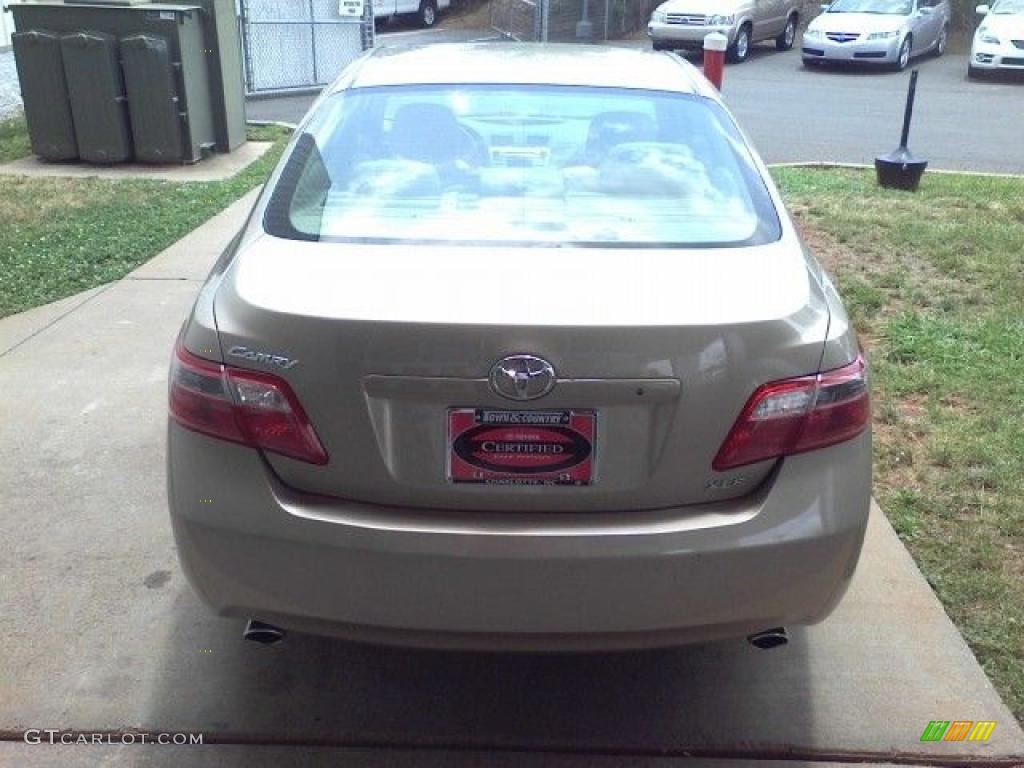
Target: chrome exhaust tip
770	638
262	633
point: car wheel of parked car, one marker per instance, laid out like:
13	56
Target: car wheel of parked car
428	13
903	57
942	41
740	48
785	41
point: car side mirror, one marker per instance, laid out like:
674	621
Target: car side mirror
982	10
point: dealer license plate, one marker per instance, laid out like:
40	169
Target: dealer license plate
496	447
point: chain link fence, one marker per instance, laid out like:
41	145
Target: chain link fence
569	20
516	19
296	44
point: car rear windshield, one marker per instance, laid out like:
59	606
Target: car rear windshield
522	165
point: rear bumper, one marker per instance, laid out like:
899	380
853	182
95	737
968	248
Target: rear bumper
862	51
252	547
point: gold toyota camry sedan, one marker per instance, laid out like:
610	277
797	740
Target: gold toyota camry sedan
519	349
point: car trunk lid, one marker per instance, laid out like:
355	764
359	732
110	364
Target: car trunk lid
663	347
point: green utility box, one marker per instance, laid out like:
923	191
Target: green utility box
227	80
96	91
45	94
129	80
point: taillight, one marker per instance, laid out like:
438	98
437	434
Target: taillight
255	409
798	415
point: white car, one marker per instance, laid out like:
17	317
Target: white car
885	32
999	41
424	10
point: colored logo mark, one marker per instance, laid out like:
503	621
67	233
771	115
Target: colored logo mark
958	730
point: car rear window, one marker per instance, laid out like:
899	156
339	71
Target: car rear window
523	165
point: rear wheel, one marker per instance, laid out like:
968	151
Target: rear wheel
785	40
740	48
942	41
428	13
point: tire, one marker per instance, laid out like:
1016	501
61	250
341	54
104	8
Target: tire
784	41
427	14
903	57
740	48
942	41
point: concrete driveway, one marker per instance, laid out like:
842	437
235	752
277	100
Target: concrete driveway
840	115
101	633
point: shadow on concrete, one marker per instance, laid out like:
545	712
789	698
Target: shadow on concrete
315	690
860	68
998	77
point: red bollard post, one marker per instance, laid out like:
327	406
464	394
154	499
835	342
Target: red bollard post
714	58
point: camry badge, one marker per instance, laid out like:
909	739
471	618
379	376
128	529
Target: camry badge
266	358
522	377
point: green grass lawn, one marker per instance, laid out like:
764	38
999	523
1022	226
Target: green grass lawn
935	283
13	139
61	236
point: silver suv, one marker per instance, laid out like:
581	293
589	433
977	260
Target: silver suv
685	23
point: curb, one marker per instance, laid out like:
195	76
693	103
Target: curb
280	93
281	123
829	165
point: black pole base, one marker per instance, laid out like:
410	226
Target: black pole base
900	170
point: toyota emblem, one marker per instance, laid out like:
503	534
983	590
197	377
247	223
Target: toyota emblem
522	377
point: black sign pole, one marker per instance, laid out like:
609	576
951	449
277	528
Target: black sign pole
900	169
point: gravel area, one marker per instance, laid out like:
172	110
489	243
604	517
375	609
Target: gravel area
10	93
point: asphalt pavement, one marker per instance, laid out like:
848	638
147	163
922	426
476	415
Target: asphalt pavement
850	115
839	115
101	632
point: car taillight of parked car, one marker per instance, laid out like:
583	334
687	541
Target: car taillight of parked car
798	415
248	407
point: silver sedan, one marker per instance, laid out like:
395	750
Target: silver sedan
520	349
886	32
